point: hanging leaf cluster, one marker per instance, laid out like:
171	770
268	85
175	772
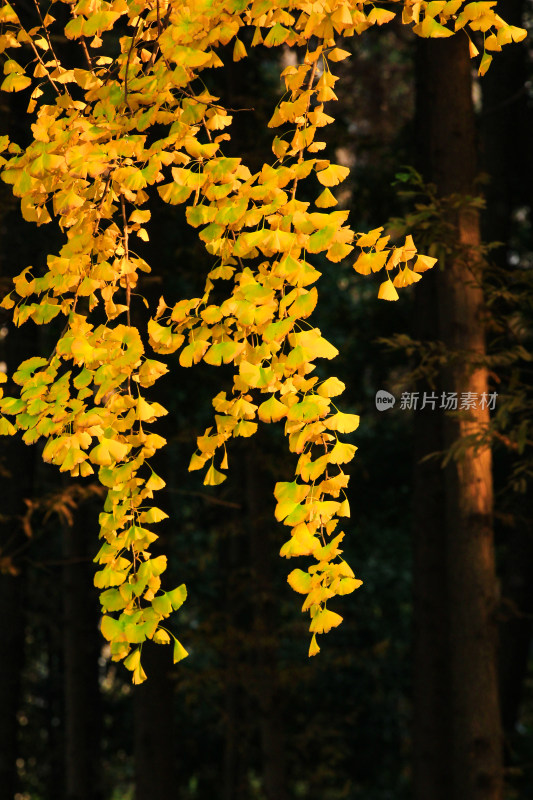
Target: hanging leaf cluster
91	167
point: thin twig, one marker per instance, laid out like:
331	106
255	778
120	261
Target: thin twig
82	39
50	45
301	154
39	59
128	62
126	256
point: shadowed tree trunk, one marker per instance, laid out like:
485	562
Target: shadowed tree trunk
506	128
516	624
266	681
16	478
154	732
81	641
431	667
155	774
12	591
506	133
446	128
234	564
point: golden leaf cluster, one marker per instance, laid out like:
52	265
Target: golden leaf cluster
91	167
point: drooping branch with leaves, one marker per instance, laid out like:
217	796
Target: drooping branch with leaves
106	135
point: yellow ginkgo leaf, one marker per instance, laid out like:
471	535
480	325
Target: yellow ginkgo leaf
239	50
139	675
344	423
326	199
342	453
313	647
387	291
213	477
424	263
332	175
331	387
324	621
299	580
179	652
272	410
337	54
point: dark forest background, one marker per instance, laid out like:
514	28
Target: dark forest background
248	715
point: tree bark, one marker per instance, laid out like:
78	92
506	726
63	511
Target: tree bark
516	617
506	128
506	134
154	704
16	475
81	650
11	665
266	682
155	771
431	667
446	119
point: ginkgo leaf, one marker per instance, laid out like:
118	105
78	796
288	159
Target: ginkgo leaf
380	16
153	515
332	175
344	423
331	387
299	581
342	453
108	452
304	544
313	647
472	49
348	585
485	63
344	509
369	239
305	304
406	277
6	427
320	240
424	263
324	621
111	628
154	482
213	476
387	291
337	54
15	82
133	661
139	675
239	50
326	199
271	410
161	637
370	262
179	652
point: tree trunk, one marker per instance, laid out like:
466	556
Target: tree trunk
16	476
265	682
233	550
506	131
431	667
11	665
155	772
446	117
516	617
81	650
154	703
506	134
